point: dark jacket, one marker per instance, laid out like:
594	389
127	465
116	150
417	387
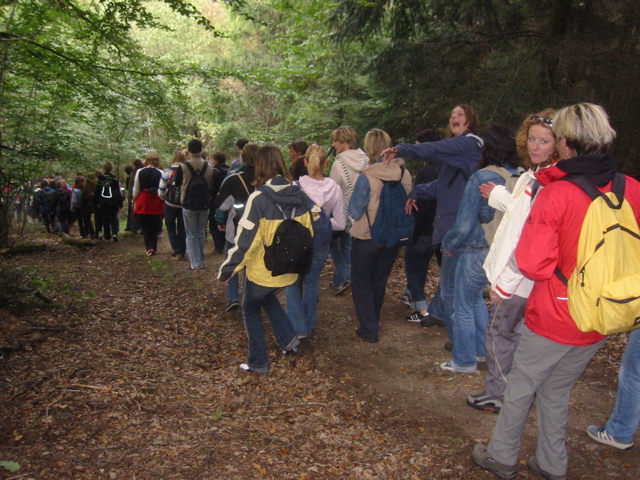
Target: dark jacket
458	160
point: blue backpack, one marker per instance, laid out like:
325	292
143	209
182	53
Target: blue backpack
393	227
322	233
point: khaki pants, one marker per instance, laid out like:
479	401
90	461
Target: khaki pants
547	371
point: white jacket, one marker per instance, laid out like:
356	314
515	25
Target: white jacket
500	265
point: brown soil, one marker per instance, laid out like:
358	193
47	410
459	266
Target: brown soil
132	372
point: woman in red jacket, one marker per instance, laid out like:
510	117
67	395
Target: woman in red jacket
148	206
553	353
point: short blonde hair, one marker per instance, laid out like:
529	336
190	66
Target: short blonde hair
543	118
585	127
346	135
317	158
375	141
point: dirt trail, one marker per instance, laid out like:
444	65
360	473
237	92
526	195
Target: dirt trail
142	381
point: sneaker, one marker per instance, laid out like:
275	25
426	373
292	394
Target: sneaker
150	252
114	238
417	317
292	347
451	366
599	434
534	466
481	359
343	287
482	401
406	299
430	321
486	461
232	305
448	346
247	368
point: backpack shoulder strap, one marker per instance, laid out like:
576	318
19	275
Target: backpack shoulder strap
587	186
346	174
243	182
190	167
503	172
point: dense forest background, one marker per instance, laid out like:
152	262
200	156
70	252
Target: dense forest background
85	81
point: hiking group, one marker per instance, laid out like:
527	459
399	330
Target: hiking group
542	219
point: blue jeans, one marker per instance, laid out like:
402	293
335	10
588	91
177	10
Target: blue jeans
623	423
370	270
302	296
195	225
441	305
341	255
470	313
233	285
219	238
175	229
416	265
256	297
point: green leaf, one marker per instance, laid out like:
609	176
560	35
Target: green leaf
11	466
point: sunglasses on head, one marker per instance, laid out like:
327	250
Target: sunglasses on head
546	120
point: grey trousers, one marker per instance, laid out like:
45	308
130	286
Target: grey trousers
547	371
504	330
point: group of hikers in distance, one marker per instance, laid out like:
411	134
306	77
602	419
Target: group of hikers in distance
496	210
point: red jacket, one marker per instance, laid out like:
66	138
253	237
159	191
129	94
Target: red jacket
550	239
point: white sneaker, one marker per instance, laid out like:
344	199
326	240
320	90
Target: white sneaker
451	366
599	434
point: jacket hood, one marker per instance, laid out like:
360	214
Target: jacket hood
384	172
320	190
354	159
599	168
285	194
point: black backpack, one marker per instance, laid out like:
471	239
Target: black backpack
173	191
292	248
198	193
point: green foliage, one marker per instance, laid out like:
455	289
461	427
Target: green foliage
19	286
505	58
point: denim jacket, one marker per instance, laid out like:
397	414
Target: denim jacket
474	210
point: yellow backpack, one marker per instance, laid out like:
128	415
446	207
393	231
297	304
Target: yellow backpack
604	288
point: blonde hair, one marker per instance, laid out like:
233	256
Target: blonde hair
317	158
178	156
346	135
269	164
522	136
375	141
585	127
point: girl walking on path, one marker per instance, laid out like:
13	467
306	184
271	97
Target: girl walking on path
275	197
148	206
302	296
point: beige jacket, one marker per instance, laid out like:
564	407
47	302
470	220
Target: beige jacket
376	174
